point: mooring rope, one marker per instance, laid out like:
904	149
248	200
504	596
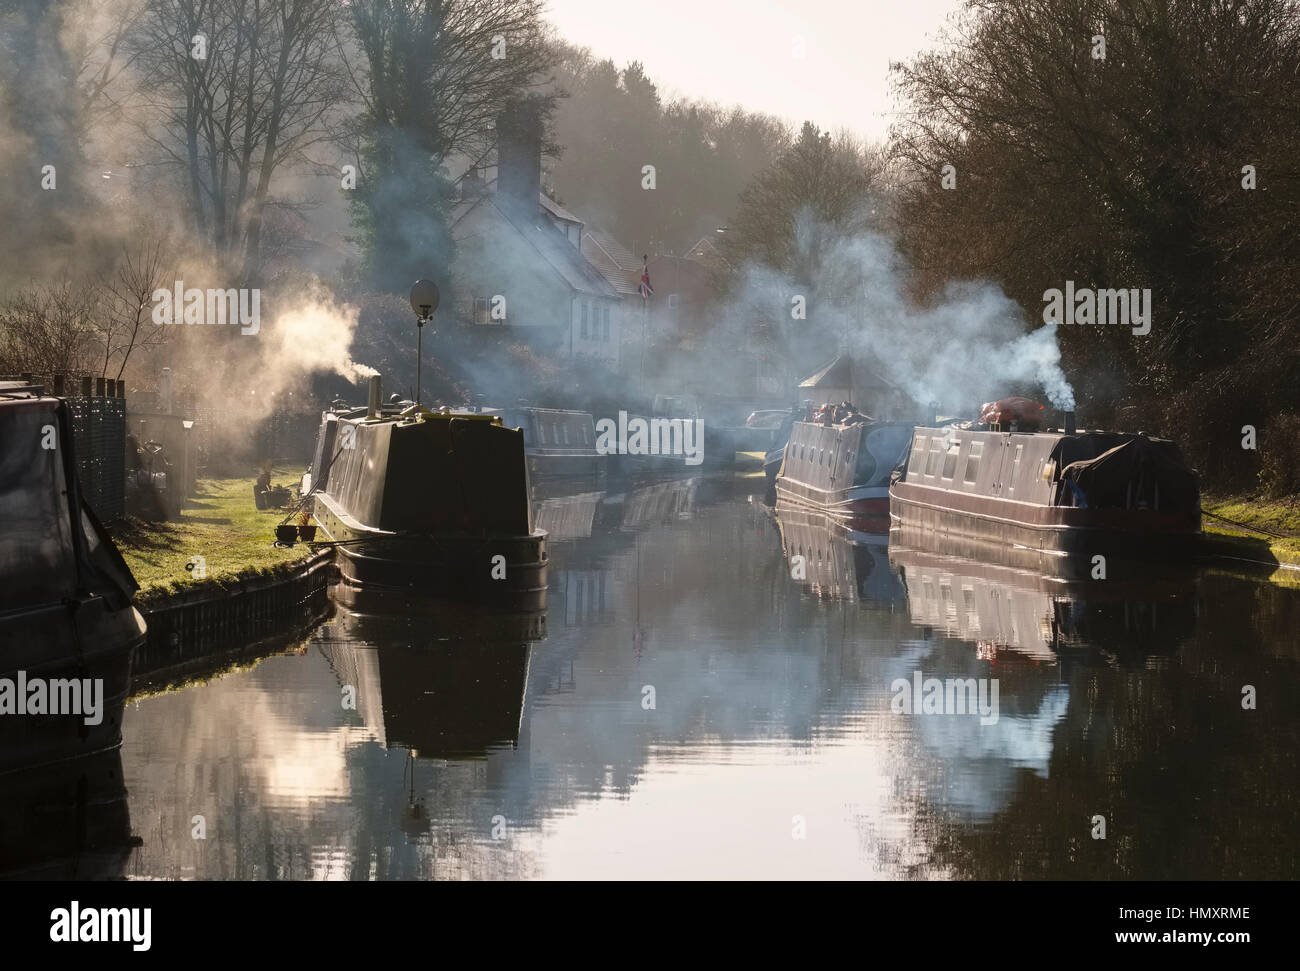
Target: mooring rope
1253	529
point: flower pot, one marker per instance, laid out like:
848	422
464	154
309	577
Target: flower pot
308	533
287	535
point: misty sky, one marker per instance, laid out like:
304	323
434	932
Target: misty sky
742	51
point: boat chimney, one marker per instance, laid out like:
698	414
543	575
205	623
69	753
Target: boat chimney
1069	423
373	409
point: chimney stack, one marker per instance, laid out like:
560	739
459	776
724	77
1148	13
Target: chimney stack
519	157
375	406
165	391
1069	423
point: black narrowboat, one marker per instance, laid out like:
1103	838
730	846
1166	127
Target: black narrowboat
428	505
65	594
1060	492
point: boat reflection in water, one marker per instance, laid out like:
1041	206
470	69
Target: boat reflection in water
67	821
998	604
446	686
839	562
1026	633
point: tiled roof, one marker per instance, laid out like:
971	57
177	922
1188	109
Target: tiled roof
551	244
557	210
614	261
706	251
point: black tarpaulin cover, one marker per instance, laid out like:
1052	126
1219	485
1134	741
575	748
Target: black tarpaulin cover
1131	471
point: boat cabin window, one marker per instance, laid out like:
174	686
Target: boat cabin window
973	463
918	451
1015	468
950	460
541	434
932	459
564	430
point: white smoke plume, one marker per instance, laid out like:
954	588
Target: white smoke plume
970	344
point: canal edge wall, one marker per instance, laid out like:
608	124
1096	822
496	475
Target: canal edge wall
187	628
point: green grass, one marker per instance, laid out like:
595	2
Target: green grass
221	524
1279	516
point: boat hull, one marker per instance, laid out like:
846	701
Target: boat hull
505	572
544	465
1121	533
98	645
843	505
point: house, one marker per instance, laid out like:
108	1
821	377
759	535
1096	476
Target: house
685	292
521	257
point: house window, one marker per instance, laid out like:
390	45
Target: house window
973	463
585	305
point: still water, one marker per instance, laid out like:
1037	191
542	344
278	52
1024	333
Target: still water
689	708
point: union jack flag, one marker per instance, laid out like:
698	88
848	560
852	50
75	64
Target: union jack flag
645	287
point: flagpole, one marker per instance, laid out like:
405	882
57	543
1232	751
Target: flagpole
645	311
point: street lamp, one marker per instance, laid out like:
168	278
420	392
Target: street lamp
424	301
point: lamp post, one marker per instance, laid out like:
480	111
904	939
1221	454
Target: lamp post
424	301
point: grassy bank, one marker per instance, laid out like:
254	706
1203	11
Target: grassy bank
1277	516
221	524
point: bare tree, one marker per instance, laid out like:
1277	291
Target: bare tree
123	321
48	329
243	88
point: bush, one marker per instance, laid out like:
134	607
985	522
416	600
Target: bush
1279	473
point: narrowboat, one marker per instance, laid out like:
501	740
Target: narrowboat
1061	492
65	595
775	455
428	505
558	443
840	465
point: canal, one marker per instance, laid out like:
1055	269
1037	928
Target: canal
696	704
